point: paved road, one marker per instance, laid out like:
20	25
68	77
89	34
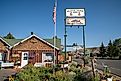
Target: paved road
114	65
6	72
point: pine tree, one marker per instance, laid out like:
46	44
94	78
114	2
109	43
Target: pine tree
112	49
115	51
9	36
102	50
117	43
109	49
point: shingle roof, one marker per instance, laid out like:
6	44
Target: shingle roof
4	41
51	41
12	41
58	42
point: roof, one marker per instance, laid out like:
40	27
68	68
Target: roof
4	41
14	42
58	42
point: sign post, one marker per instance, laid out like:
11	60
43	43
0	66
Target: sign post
84	44
75	17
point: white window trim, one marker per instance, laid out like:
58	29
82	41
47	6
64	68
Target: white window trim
42	57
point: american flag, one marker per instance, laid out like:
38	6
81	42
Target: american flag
54	12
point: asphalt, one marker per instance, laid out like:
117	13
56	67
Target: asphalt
4	73
113	65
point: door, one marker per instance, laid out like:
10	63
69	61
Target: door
24	59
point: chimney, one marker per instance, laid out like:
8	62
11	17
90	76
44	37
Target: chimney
32	33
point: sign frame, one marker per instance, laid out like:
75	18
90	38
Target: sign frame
75	9
75	24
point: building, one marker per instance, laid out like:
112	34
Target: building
4	50
94	51
31	50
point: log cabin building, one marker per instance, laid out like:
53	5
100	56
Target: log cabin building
31	50
4	50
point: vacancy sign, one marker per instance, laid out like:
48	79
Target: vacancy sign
75	12
75	21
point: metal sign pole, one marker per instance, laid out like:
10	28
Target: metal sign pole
65	41
75	17
65	35
84	44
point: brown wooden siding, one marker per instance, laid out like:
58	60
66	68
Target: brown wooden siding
4	50
34	55
32	44
2	46
35	47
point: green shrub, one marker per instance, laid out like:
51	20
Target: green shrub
30	73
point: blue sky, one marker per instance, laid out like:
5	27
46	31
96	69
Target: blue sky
20	17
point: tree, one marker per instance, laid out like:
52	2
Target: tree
109	49
115	51
102	50
117	42
9	36
112	49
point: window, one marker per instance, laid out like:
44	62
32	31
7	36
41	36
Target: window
48	57
25	56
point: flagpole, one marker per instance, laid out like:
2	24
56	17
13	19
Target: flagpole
54	42
54	18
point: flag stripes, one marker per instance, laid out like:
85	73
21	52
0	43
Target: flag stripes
54	12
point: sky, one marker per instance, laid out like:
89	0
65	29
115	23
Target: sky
103	20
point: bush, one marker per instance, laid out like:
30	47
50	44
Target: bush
30	73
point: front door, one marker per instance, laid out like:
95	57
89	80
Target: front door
24	59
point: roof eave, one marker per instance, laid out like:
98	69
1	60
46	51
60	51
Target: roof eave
38	38
5	42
